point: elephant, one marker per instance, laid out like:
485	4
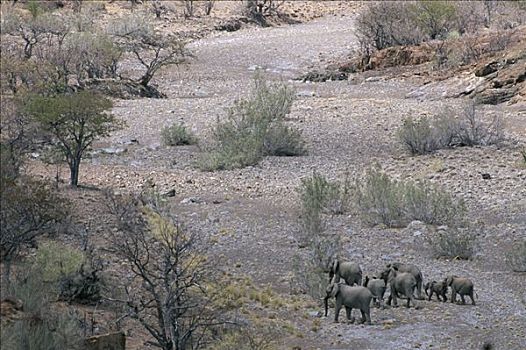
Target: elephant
349	271
410	268
401	284
377	287
351	297
461	286
438	288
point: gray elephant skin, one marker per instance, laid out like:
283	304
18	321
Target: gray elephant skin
351	298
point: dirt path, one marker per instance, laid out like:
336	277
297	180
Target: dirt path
252	213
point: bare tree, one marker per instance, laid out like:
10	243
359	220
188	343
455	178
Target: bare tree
136	34
167	291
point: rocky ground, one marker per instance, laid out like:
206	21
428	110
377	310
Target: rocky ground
252	213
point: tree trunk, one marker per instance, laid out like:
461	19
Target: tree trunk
7	273
74	169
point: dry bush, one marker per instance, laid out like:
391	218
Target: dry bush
383	200
454	243
382	25
177	134
516	257
446	130
418	136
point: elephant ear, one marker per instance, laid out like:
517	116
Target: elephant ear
335	289
335	265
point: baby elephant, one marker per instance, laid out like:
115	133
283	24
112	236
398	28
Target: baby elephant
462	286
438	288
350	297
403	285
377	287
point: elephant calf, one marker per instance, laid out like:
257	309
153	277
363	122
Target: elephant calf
402	284
438	288
412	269
461	286
377	287
349	271
350	297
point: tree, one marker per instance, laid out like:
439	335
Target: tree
168	272
153	50
74	121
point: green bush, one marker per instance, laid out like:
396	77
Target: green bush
177	135
43	326
454	243
382	200
254	128
56	261
320	196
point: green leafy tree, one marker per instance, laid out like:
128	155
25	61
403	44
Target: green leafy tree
74	122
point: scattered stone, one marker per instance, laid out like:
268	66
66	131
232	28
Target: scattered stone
170	193
188	200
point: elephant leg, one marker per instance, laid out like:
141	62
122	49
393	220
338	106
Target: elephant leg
395	301
453	296
472	299
389	299
367	315
463	300
350	313
430	296
348	310
337	309
419	290
364	318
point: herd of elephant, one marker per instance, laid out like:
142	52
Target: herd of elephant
404	281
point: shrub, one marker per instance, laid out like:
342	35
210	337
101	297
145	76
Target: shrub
320	196
176	135
254	128
422	136
43	326
418	136
311	274
56	261
382	25
383	200
523	154
453	243
516	257
472	131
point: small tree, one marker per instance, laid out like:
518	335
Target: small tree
74	122
153	50
166	291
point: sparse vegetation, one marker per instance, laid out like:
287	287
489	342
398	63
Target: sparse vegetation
318	197
395	203
254	128
454	243
73	122
516	257
42	325
176	135
422	136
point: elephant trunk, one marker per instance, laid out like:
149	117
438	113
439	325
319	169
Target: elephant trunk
326	303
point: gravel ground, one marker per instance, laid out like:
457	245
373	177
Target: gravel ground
253	212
